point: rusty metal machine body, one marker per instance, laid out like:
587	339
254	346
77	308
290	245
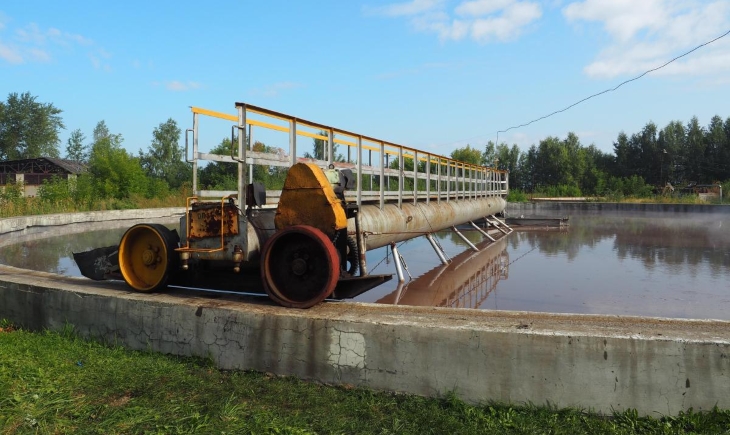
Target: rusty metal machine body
312	245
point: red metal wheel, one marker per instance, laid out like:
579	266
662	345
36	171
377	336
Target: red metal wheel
299	267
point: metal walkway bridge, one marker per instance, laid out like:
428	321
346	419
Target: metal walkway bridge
385	172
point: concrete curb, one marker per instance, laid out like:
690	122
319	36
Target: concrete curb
604	363
20	223
530	207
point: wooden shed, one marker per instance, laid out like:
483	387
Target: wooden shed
31	173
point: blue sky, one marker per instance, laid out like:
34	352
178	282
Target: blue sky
433	74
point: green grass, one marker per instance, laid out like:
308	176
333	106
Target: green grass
55	382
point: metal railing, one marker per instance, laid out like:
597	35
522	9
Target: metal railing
384	171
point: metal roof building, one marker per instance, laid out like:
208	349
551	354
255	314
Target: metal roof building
32	172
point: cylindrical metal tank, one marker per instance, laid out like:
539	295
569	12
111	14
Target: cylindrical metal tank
394	224
391	224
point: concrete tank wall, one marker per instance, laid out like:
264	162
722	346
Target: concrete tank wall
603	363
22	223
530	208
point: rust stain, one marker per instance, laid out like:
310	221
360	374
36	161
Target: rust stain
206	220
308	199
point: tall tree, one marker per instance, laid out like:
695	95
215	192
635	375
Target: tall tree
101	131
695	152
164	157
28	128
467	155
671	143
115	173
624	157
75	148
716	151
489	154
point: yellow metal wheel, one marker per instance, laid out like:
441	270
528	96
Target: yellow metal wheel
147	256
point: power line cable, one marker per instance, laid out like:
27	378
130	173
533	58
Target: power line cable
614	88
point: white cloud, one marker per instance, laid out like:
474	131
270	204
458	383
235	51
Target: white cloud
178	86
479	8
413	7
508	26
481	20
645	34
10	54
31	34
31	43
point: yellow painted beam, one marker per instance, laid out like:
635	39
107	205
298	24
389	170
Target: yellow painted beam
215	114
408	152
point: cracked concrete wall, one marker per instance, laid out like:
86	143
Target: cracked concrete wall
482	356
21	223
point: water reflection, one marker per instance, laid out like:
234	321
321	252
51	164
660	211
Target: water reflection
669	265
466	282
51	248
54	254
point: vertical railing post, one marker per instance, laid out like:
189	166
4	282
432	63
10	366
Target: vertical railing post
438	181
400	176
195	154
331	147
359	170
250	148
292	142
448	180
428	178
463	181
415	177
372	172
242	156
382	175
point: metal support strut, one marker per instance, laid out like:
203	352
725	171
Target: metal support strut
496	223
398	264
439	250
502	223
463	237
484	233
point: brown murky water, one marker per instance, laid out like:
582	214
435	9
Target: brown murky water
675	265
667	265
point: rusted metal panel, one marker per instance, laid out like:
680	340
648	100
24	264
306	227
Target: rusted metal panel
206	221
308	199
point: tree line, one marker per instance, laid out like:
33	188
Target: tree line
679	154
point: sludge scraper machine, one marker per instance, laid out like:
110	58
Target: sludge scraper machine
312	245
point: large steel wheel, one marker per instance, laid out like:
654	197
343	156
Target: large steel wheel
299	266
147	256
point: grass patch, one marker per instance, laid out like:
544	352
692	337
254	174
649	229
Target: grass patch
55	382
